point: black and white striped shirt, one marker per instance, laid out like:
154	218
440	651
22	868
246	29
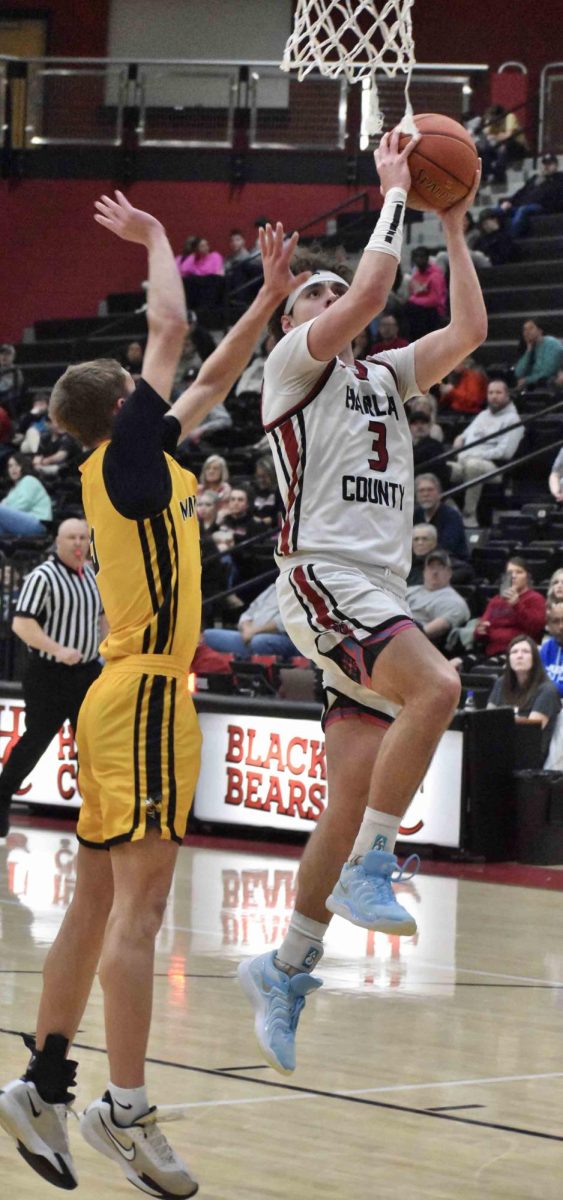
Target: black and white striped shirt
66	604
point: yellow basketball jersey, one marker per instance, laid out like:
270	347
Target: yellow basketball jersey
148	571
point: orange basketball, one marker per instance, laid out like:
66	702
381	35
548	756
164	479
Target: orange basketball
443	165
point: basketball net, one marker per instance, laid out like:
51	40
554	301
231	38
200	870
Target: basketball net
364	40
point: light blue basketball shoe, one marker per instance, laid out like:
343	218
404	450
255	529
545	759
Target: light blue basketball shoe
278	1000
364	895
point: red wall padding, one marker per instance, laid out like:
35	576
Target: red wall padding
57	262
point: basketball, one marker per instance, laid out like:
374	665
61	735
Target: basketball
443	165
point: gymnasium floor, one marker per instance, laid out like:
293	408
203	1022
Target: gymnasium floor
428	1068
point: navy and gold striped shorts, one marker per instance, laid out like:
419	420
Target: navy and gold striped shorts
139	745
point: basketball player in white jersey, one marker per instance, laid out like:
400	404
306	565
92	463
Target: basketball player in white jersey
343	455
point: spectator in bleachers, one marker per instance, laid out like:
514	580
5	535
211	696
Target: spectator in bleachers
11	380
132	359
187	249
266	500
425	448
500	142
214	425
388	336
260	631
542	357
33	424
206	509
214	477
6	434
238	251
435	604
551	650
555	478
444	515
517	609
251	379
524	686
361	344
465	389
429	405
242	274
57	452
472	234
501	447
235	530
214	570
199	344
542	193
555	589
26	510
428	295
494	240
424	539
202	260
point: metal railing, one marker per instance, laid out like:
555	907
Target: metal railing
203	103
550	129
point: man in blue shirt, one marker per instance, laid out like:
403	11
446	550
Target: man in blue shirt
551	652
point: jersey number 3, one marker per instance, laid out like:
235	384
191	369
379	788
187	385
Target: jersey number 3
378	446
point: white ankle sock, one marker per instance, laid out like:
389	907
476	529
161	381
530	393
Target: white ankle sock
302	946
378	831
128	1103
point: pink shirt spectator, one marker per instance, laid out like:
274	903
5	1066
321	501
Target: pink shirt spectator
428	288
201	264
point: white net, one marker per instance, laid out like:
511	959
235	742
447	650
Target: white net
351	38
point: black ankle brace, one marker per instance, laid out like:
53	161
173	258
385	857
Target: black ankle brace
49	1069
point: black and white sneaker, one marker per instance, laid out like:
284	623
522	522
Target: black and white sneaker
141	1150
40	1131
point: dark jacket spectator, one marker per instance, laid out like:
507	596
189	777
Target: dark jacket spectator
424	447
443	515
11	381
495	241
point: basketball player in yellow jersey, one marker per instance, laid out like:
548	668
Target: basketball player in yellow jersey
138	738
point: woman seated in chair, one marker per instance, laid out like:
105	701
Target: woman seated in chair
26	511
525	687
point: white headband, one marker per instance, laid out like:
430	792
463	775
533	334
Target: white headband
316	277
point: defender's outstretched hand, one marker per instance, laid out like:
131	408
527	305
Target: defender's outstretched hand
131	224
277	253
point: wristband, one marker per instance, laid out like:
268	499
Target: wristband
387	237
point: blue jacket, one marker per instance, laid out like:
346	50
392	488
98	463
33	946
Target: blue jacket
551	654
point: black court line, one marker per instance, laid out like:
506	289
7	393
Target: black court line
223	1073
252	1067
547	987
452	1107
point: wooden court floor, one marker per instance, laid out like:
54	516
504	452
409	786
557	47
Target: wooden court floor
429	1068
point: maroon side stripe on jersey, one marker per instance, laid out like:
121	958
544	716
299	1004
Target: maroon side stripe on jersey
293	457
315	600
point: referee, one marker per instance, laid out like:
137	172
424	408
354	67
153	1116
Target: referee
58	617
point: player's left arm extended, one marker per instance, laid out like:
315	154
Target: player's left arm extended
221	370
438	353
166	304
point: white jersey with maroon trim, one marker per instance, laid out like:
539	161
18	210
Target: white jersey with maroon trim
343	454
